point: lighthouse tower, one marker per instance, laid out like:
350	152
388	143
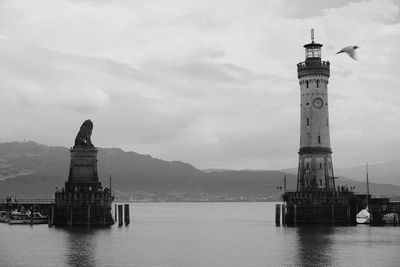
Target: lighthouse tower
316	201
315	170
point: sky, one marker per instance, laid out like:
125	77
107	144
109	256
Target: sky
211	83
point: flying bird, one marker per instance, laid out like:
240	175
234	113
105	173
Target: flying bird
350	50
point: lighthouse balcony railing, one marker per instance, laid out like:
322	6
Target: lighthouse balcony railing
317	67
313	64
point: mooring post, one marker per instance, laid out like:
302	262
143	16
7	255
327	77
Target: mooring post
348	214
115	212
126	213
371	218
88	215
283	214
277	214
51	217
9	210
119	215
295	214
70	216
104	216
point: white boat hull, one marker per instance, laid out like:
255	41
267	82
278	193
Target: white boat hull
362	220
363	217
27	218
390	218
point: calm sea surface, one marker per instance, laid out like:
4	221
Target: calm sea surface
200	234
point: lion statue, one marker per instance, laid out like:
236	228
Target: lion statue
83	137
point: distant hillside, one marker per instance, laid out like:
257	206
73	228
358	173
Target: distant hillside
386	172
31	170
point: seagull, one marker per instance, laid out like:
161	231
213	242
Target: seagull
350	50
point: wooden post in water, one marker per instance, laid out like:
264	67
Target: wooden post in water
119	215
104	216
277	214
348	213
115	212
126	213
51	217
70	216
88	215
283	214
295	214
371	218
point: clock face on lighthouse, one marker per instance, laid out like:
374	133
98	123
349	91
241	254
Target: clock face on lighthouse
317	103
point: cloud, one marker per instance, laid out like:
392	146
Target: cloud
211	83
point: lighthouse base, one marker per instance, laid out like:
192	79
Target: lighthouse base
319	207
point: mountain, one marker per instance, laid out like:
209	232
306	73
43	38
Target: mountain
31	170
385	172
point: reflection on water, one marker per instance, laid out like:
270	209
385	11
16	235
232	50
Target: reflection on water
314	246
200	234
80	244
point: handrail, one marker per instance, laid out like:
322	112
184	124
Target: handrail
27	201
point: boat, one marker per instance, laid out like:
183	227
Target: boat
3	216
390	218
363	217
27	218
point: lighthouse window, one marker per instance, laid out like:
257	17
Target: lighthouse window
307	166
320	182
308	121
320	165
306	84
317	83
319	139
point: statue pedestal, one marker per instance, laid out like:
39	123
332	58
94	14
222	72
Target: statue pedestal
83	171
83	167
83	201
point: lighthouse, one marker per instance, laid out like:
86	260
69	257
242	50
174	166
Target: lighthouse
315	170
315	200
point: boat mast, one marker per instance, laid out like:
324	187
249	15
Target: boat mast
367	186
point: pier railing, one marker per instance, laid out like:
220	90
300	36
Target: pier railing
27	201
317	195
83	198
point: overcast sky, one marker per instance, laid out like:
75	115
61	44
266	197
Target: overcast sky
211	83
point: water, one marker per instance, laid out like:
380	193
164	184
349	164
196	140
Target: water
200	234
